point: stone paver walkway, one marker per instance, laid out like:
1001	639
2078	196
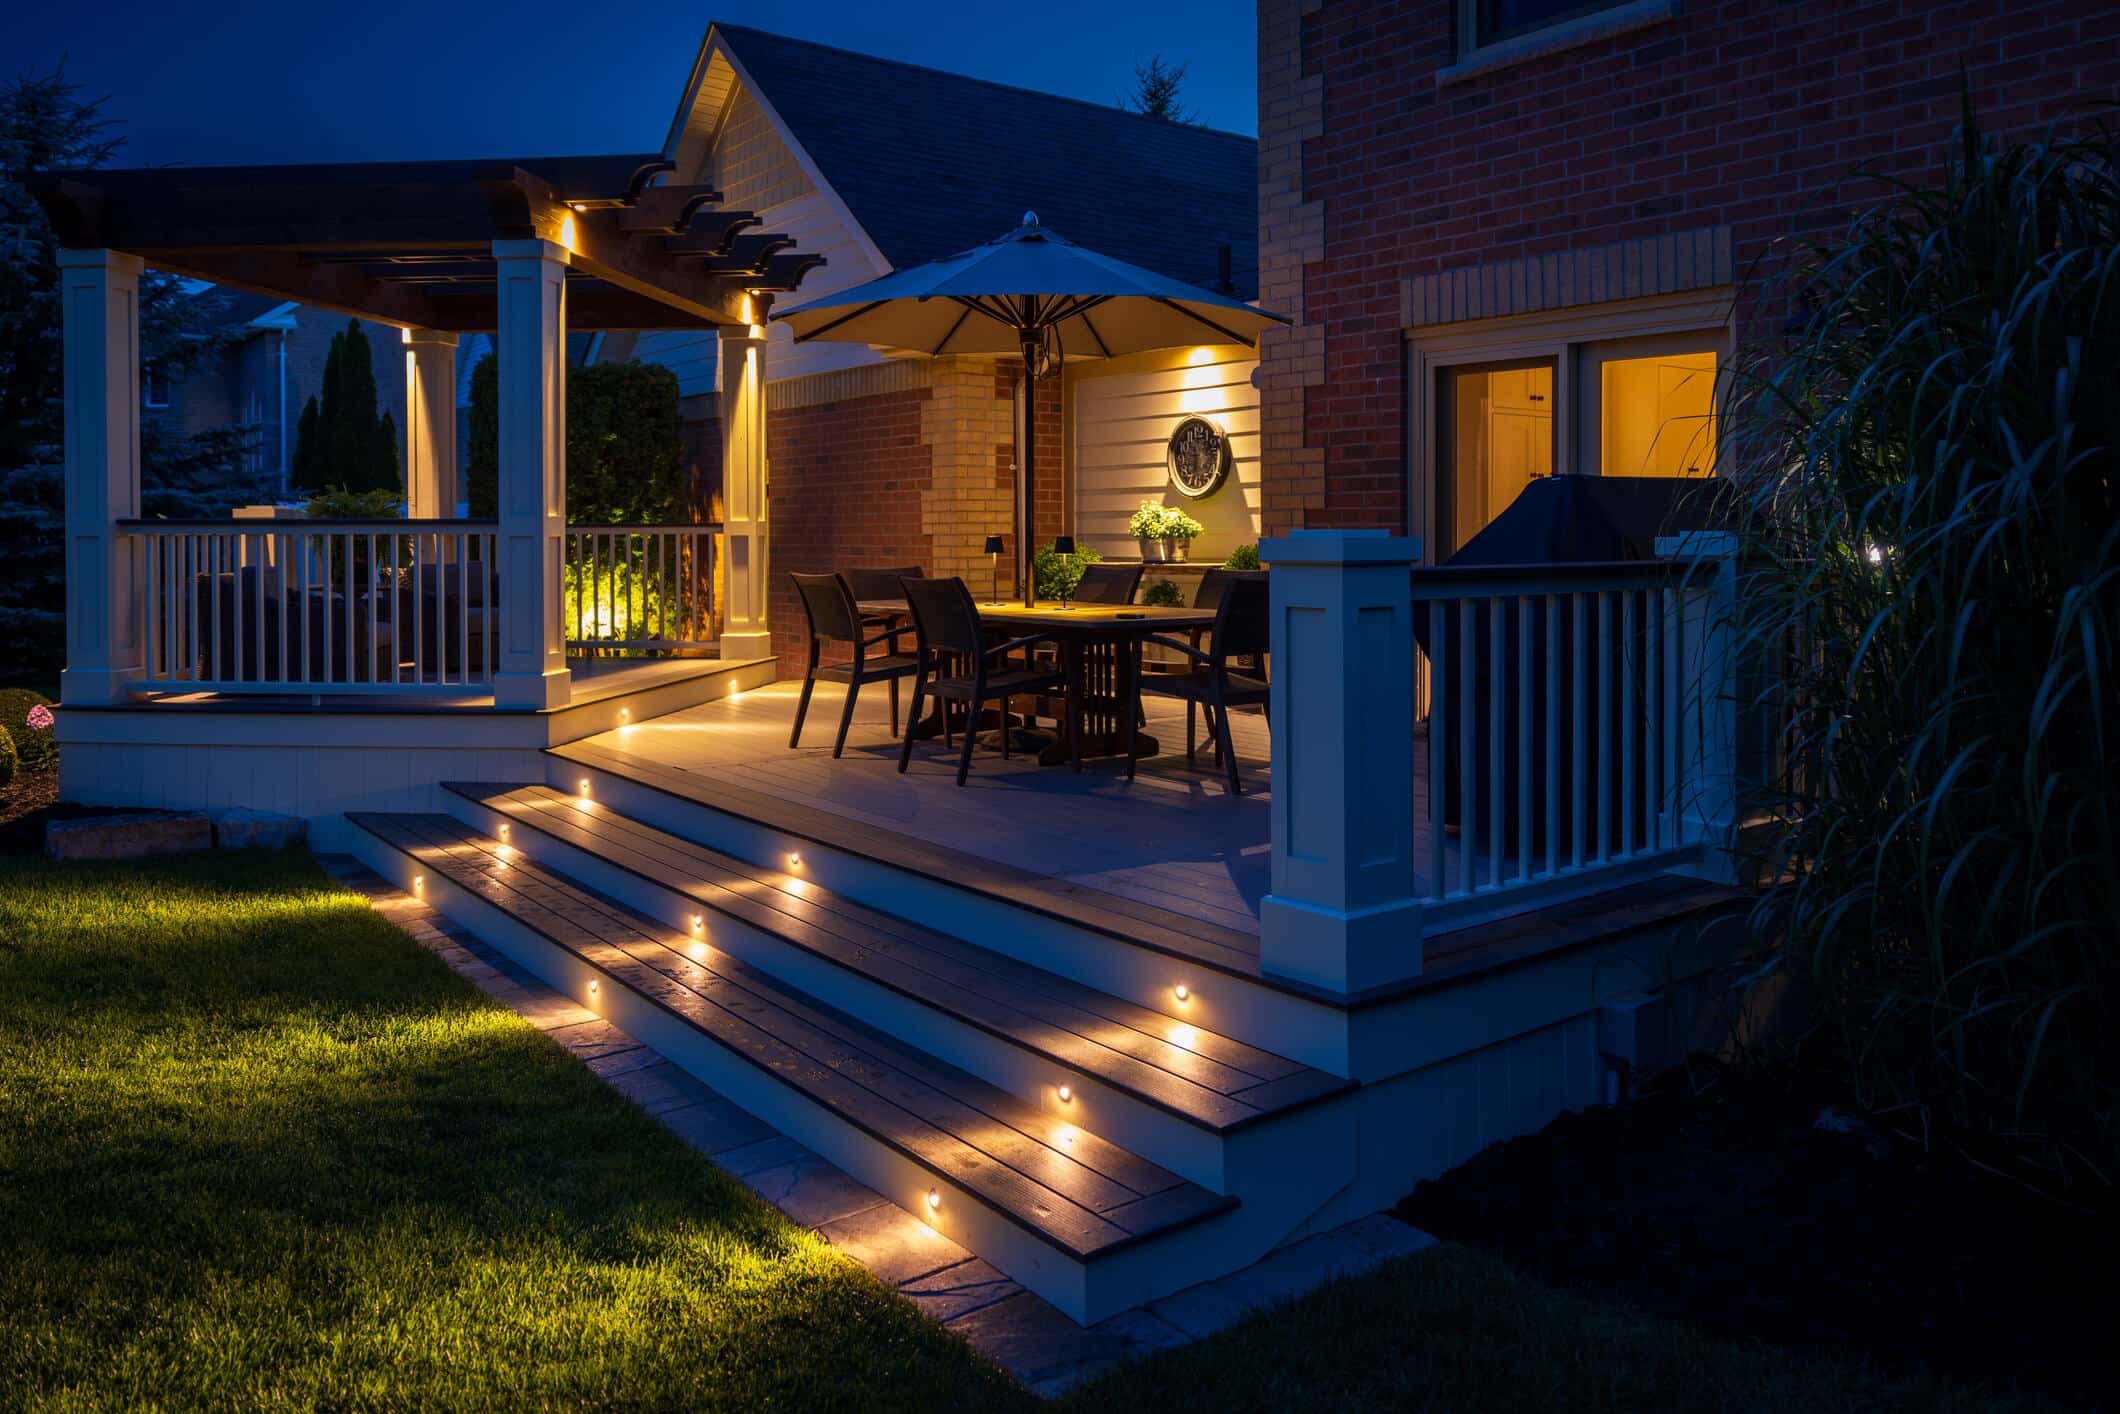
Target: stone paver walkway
1013	1327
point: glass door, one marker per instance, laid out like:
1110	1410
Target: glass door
1494	437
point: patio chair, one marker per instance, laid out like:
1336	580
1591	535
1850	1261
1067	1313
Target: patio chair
1108	584
1241	629
828	603
956	665
884	584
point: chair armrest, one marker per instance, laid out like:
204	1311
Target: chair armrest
886	636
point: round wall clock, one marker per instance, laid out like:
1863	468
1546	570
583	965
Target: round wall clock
1198	457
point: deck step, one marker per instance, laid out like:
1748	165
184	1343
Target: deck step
1130	1072
1044	1199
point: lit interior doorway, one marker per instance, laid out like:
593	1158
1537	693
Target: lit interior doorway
1496	439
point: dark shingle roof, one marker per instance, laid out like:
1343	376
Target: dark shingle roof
933	163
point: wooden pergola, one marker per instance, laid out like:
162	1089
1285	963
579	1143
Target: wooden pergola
412	243
526	248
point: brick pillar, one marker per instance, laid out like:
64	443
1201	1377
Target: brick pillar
968	424
1291	236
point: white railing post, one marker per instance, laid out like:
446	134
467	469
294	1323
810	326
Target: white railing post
1342	913
100	363
532	348
430	424
741	364
1701	805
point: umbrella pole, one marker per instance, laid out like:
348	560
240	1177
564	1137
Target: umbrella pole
1027	477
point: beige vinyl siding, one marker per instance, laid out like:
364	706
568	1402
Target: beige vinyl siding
1121	413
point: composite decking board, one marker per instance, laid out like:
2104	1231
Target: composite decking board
1175	1079
841	1081
754	1023
1066	898
1014	976
831	1042
1008	998
834	826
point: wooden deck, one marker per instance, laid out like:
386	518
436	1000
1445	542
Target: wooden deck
1173	838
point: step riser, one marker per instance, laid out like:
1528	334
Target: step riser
1164	1139
1311	1033
1051	1273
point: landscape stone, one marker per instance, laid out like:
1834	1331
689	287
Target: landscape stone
244	828
130	836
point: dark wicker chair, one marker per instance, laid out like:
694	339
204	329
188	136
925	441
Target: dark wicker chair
956	665
1242	629
828	603
1108	584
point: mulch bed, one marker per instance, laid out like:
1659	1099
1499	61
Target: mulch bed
29	800
1719	1200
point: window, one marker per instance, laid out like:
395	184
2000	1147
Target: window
154	387
1486	22
1495	437
1651	405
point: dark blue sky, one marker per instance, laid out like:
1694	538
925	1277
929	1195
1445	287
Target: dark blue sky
223	81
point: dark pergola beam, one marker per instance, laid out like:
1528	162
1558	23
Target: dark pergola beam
710	233
665	209
341	289
783	273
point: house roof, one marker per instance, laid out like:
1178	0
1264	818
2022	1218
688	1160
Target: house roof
933	163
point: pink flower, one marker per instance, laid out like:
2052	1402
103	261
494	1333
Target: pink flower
40	717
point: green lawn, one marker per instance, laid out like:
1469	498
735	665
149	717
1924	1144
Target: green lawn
259	1149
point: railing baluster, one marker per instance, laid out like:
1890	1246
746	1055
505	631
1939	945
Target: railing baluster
1498	697
1604	726
1630	721
1468	761
1438	762
1523	737
1579	759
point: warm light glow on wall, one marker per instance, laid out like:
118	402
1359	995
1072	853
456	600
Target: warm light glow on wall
566	230
1203	392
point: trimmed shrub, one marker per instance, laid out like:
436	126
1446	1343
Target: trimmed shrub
1244	557
1054	576
1163	593
33	746
7	757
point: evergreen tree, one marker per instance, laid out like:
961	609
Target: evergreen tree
1155	92
340	440
46	123
625	445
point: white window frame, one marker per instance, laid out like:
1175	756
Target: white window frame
147	387
1567	336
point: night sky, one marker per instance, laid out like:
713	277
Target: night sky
227	81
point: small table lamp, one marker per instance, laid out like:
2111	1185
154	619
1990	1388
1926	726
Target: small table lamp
993	561
1064	548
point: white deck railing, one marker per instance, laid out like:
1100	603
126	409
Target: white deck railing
1578	732
393	606
313	606
639	588
1552	744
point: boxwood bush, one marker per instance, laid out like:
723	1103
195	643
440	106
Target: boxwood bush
32	746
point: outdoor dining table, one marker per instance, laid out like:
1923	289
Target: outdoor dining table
1096	643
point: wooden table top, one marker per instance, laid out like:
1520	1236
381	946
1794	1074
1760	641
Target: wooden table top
1101	620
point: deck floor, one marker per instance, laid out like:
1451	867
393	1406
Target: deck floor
1174	836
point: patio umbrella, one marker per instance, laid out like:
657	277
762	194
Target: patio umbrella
1035	293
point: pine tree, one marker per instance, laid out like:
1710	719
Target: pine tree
1155	92
341	441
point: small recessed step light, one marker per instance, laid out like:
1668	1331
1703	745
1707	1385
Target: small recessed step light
1182	992
1067	1094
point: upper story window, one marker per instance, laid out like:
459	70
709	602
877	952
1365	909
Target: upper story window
1486	22
1494	33
154	387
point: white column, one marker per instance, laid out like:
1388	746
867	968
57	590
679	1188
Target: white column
99	292
1343	912
742	364
531	345
430	424
1703	807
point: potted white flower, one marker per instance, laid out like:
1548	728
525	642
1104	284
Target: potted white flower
1165	532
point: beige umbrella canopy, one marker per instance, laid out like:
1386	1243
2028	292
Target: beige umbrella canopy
1034	293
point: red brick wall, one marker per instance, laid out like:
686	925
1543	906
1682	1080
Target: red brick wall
1740	114
847	479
